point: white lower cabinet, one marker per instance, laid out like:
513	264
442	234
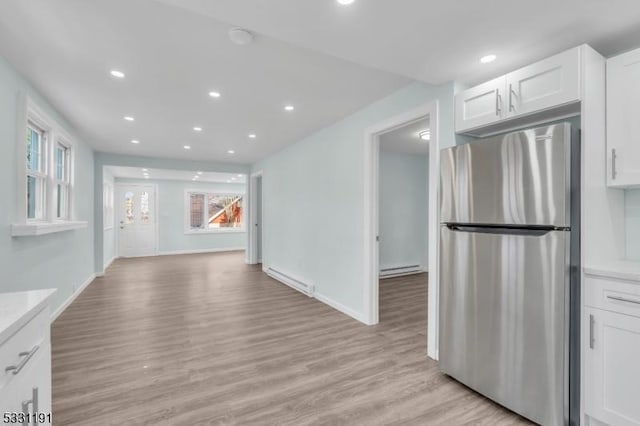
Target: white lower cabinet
612	355
25	358
30	391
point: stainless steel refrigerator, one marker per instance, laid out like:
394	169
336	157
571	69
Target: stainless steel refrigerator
509	262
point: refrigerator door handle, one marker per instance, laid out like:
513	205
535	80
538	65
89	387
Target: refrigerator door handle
504	230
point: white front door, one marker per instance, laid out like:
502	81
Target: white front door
136	210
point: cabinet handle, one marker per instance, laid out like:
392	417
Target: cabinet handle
35	398
614	172
27	356
498	109
25	407
624	299
511	107
592	340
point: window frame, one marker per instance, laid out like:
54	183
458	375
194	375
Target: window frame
53	135
187	212
66	178
40	175
108	206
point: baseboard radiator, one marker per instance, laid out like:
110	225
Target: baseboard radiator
302	287
399	271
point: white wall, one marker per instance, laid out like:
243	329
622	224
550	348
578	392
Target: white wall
403	210
62	260
171	218
109	229
314	197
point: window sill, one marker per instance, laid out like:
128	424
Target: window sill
43	228
216	231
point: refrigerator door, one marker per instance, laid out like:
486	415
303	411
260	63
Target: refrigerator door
522	178
504	316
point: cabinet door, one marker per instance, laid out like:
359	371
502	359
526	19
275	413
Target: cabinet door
546	84
480	105
32	386
612	370
623	123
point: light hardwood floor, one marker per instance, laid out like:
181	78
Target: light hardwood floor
208	340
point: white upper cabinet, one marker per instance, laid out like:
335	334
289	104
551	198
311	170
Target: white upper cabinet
623	120
546	84
549	85
481	105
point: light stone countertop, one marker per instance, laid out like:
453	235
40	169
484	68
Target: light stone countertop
623	270
16	309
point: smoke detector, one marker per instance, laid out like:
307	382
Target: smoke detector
240	36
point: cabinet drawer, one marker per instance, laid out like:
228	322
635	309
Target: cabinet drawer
18	350
612	295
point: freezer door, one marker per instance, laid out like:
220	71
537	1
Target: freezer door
522	178
504	317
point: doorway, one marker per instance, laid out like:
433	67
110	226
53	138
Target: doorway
136	220
256	214
371	216
403	200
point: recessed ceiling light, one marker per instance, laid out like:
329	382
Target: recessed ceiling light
135	141
193	178
425	135
117	74
231	152
487	59
239	175
197	129
253	136
187	147
228	181
289	108
145	170
233	178
214	94
345	2
146	177
128	118
199	173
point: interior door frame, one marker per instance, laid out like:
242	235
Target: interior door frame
252	234
371	216
117	190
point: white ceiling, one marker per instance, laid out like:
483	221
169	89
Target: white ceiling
172	59
437	41
406	139
326	59
178	175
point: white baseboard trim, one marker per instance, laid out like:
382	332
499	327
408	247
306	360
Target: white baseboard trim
340	307
110	262
104	271
326	300
73	297
218	250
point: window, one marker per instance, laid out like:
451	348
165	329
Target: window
107	205
61	181
45	178
36	172
214	212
